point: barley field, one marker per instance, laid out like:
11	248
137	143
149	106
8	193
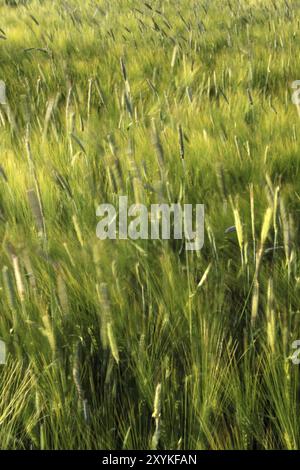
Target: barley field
141	344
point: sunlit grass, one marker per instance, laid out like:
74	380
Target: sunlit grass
95	330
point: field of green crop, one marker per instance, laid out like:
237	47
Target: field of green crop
140	344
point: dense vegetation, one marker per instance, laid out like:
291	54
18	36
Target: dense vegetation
136	344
